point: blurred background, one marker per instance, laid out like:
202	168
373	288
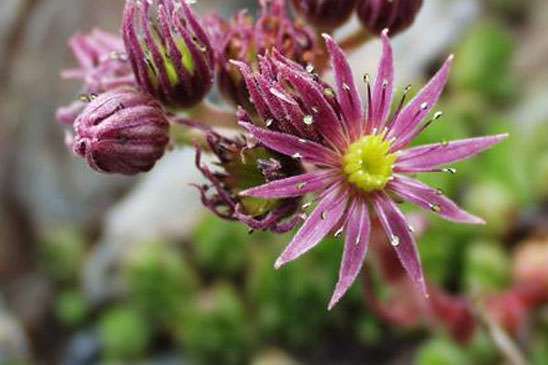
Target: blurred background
95	268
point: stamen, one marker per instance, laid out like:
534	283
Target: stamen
368	162
400	106
369	101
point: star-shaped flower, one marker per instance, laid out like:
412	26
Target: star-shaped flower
358	157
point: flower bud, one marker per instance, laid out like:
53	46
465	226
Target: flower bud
121	131
244	40
244	165
396	15
325	14
102	65
169	51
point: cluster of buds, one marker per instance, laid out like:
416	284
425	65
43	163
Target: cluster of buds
167	53
244	40
375	15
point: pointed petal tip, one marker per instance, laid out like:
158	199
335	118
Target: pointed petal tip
332	303
279	263
337	296
326	36
241	65
421	286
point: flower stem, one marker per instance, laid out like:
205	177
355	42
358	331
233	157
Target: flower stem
501	340
211	115
355	40
349	44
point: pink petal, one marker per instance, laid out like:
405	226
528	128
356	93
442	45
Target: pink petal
347	91
293	146
424	196
322	220
358	230
426	157
255	92
384	86
293	186
399	235
324	118
422	104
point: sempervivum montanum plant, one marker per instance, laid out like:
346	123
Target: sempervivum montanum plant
359	158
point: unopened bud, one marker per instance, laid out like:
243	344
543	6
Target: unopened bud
396	15
169	51
325	14
121	131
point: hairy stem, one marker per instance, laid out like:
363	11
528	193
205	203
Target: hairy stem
213	116
349	44
500	339
355	40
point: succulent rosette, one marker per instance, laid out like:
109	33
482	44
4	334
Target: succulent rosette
102	65
396	15
169	51
325	14
358	159
122	131
244	40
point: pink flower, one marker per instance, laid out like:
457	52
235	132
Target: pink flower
102	65
359	158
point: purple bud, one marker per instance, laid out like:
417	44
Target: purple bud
121	131
242	164
243	39
169	50
396	15
325	14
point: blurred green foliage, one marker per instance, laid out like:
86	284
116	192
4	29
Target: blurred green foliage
214	328
159	280
62	252
483	62
487	267
124	334
71	307
439	351
221	247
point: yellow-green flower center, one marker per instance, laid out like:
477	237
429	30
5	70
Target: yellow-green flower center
368	163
